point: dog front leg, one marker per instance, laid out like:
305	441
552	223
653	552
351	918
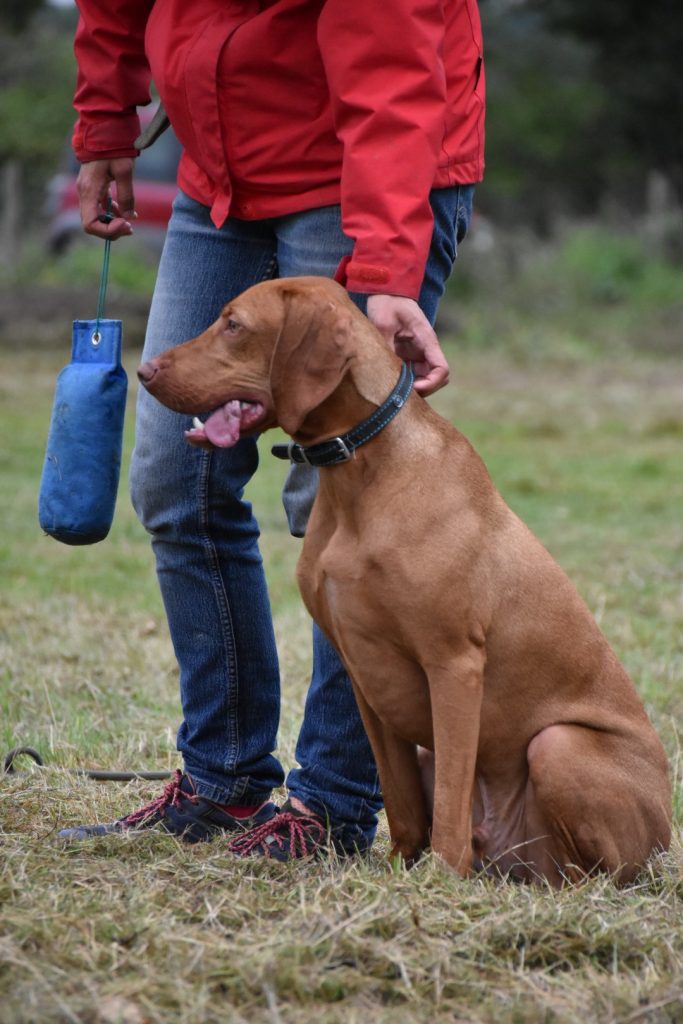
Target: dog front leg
401	781
456	690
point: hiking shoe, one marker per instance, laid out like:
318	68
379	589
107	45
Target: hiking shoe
288	835
182	811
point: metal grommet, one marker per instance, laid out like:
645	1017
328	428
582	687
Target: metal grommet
96	339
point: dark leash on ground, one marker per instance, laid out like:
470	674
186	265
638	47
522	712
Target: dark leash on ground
99	774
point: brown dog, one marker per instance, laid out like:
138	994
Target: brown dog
461	634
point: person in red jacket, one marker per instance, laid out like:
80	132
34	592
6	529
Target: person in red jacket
319	137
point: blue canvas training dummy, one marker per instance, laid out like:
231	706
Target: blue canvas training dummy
83	458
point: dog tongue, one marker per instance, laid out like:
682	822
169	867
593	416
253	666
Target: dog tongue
223	426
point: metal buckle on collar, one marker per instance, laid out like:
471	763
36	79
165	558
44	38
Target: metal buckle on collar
345	451
343	455
290	452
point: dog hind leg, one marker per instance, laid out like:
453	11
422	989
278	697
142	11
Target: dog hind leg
590	806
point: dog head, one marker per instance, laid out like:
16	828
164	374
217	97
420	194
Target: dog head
275	354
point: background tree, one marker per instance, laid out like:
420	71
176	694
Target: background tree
37	75
16	15
584	107
543	120
637	51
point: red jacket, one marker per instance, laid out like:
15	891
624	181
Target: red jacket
283	105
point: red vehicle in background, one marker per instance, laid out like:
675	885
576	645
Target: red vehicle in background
155	189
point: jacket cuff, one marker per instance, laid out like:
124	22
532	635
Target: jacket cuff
376	279
105	140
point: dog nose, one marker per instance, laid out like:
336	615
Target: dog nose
146	371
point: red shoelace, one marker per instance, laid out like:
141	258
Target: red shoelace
303	832
169	798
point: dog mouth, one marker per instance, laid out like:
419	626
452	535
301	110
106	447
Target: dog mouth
227	424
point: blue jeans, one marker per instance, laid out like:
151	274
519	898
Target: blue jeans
205	537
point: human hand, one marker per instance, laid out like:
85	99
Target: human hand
93	186
407	330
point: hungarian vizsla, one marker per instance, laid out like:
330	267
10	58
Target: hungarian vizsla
507	734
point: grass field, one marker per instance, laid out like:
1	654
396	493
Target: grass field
584	440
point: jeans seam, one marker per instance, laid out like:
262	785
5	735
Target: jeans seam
225	618
459	211
463	215
271	269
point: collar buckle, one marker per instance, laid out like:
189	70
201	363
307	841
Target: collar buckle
345	452
291	448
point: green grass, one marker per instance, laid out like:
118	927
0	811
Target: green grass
131	270
585	445
592	291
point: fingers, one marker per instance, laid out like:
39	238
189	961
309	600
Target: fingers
436	378
429	379
405	327
429	365
122	171
93	186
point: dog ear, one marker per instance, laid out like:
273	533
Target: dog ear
311	353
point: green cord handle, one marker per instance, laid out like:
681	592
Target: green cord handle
106	218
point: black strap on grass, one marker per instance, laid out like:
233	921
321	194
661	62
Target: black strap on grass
99	774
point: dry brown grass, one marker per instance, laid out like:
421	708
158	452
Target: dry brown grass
178	933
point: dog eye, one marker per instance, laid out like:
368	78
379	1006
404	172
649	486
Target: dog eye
232	326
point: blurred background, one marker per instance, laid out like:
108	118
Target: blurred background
579	214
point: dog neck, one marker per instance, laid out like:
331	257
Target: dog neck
341	448
370	377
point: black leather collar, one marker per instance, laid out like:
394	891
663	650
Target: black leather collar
341	449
